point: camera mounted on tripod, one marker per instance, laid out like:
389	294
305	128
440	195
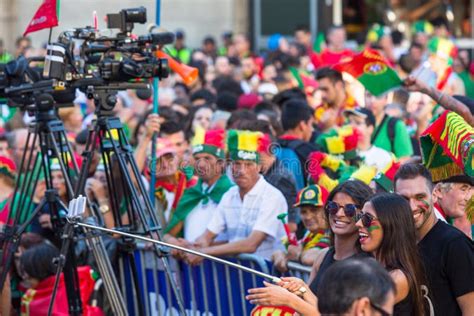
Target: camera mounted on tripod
101	61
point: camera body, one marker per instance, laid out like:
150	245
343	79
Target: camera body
98	61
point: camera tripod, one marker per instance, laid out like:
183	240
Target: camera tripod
131	205
47	132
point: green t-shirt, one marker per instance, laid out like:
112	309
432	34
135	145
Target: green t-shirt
468	83
401	144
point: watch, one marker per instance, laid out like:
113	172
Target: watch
104	208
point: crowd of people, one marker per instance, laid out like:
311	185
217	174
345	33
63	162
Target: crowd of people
280	155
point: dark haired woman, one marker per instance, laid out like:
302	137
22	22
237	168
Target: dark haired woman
39	269
387	231
341	208
343	203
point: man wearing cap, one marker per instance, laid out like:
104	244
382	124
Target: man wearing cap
311	202
451	197
42	223
179	50
364	121
170	181
248	212
199	202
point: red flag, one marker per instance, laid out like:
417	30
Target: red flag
45	17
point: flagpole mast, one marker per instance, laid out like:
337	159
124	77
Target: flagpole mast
50	35
155	111
156	81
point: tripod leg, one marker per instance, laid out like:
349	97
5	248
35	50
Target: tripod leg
140	198
106	272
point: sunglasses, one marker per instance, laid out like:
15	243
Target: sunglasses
366	219
379	309
350	210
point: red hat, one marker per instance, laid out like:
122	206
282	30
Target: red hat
163	147
248	101
264	143
211	142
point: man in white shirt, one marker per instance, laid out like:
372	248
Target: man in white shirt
199	202
364	121
248	212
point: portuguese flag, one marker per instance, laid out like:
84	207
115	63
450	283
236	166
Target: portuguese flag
305	81
447	147
372	70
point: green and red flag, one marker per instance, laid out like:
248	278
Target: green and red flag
319	43
305	81
46	16
447	147
372	70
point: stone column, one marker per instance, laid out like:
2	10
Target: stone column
8	24
241	16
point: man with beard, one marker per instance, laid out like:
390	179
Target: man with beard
335	99
250	78
248	212
448	255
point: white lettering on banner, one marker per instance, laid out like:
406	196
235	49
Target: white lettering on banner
160	305
246	155
39	20
197	149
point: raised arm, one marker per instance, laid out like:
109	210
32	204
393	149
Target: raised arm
446	101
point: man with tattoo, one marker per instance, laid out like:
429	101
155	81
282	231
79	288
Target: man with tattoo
446	101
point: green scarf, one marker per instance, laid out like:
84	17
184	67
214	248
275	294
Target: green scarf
192	196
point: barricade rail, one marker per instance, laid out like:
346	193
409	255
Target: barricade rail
298	270
208	289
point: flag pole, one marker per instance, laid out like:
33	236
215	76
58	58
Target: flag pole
50	35
155	111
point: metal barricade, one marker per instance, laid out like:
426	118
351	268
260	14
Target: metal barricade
298	270
208	289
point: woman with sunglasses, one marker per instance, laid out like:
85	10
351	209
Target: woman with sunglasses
341	207
387	231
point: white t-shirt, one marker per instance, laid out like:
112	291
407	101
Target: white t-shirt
197	220
376	157
257	211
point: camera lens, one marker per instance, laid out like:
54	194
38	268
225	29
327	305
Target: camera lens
135	15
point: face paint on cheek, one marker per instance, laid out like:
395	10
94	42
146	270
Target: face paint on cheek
425	204
373	227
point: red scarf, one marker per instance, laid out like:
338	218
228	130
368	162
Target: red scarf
441	211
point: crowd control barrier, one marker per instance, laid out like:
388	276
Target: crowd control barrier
299	270
208	289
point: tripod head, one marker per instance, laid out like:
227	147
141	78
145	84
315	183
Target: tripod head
105	96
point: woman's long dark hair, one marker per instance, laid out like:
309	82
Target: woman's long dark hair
357	190
37	261
398	249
